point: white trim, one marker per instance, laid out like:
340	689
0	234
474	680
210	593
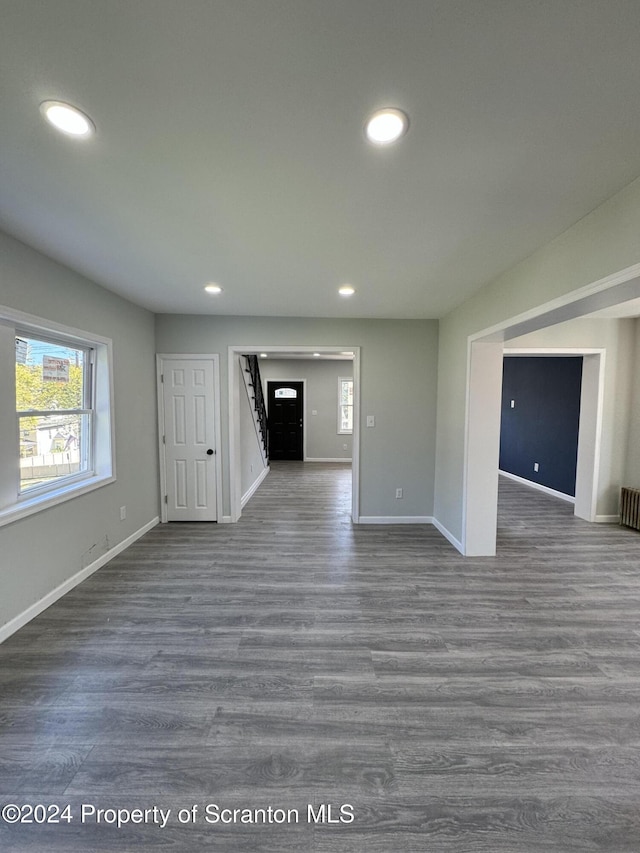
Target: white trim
537	486
72	334
226	519
607	519
328	459
342	379
162	462
627	276
590	434
448	535
254	488
103	453
65	493
590	421
481	447
217	423
234	419
260	439
611	290
552	351
355	446
50	598
396	519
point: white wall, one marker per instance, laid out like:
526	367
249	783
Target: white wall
321	429
598	246
631	476
252	465
398	386
616	337
40	552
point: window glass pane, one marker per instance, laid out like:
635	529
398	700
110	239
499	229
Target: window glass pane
52	447
48	375
345	405
286	392
346	392
346	418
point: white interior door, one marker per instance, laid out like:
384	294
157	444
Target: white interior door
188	391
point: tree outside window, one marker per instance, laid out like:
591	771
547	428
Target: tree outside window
53	406
345	405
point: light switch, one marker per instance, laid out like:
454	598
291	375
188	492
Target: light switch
314	411
513	404
371	421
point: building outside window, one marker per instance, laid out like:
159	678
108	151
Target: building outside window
56	422
54	408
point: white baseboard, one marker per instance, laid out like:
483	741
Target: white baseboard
226	519
51	597
413	519
253	488
448	535
395	519
538	487
328	459
608	519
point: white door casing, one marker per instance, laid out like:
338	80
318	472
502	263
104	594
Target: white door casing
233	365
188	410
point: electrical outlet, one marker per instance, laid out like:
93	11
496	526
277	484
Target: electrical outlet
345	446
123	513
398	493
371	420
536	467
513	404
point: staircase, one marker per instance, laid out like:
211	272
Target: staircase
254	388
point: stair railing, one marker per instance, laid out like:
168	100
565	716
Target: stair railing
255	382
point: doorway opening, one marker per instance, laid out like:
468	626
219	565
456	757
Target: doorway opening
285	410
484	393
291	370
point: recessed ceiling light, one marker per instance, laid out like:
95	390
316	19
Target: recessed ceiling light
316	355
387	126
68	119
346	290
213	288
263	355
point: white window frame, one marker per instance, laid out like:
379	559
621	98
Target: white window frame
14	504
342	379
87	408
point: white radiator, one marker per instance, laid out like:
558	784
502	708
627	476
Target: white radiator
630	507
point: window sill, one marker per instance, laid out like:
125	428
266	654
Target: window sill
30	505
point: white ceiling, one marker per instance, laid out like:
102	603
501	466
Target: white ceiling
230	144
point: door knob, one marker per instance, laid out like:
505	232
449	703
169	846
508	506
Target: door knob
209	452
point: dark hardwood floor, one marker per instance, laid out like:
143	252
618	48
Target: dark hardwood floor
292	659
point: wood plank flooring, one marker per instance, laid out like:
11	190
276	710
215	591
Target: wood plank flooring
292	659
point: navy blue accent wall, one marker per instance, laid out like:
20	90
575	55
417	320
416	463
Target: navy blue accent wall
543	425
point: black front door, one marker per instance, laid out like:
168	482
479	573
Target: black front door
285	420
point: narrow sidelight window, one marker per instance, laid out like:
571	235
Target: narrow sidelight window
345	406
